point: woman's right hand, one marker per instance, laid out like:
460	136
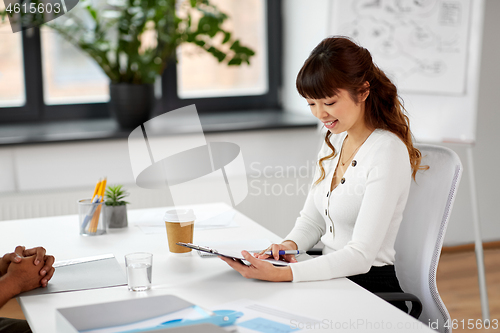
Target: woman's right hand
275	248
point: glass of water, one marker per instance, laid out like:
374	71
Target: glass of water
139	269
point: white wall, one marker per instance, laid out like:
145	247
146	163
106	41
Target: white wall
48	179
306	24
486	151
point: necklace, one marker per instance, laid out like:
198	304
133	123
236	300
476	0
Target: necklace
354	152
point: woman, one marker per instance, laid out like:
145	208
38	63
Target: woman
366	163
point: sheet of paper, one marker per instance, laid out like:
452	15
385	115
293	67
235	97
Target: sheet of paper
207	217
250	245
70	276
238	255
191	313
258	317
264	325
233	248
230	253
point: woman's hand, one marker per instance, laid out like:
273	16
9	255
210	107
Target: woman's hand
275	248
258	269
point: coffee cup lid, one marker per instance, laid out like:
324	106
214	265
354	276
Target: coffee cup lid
179	215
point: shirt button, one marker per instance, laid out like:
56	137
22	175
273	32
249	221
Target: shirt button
331	229
354	163
326	212
327	194
342	181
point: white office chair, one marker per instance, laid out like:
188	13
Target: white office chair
420	238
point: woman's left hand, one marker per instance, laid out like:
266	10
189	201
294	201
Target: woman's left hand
259	269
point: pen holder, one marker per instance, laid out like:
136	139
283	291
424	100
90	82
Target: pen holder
90	216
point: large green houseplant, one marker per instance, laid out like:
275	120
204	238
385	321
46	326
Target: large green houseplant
134	40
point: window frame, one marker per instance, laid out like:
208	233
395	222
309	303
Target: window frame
35	110
214	104
31	109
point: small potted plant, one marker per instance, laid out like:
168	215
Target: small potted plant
115	208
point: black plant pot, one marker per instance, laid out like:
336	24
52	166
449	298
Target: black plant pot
131	104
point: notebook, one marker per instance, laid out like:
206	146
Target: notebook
83	273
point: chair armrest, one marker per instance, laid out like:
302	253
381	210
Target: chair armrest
416	305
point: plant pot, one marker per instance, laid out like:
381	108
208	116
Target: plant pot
131	104
115	216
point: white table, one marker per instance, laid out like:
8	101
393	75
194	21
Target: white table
208	282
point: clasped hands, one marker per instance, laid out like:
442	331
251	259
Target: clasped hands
27	268
263	270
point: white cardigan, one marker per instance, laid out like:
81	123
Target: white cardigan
359	220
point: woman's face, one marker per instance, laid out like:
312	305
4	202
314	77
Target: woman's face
339	113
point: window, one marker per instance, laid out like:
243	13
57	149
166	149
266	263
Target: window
53	80
69	75
264	96
12	91
201	75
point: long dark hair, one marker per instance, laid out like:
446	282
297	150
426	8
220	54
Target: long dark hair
339	63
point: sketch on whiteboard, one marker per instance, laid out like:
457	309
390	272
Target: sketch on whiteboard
421	44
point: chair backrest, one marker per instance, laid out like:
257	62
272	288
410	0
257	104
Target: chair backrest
420	238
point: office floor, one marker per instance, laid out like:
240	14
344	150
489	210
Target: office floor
457	284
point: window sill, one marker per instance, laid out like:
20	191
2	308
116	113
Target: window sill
106	129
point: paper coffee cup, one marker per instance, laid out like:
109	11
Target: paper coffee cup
179	224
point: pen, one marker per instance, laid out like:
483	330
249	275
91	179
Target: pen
286	252
100	198
96	189
89	214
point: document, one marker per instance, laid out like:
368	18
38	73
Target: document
259	317
83	273
234	254
236	245
192	313
143	314
207	217
233	248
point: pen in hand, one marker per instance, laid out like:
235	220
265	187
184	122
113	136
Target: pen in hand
282	252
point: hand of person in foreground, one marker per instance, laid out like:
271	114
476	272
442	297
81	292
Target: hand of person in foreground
39	253
259	269
25	274
275	248
21	276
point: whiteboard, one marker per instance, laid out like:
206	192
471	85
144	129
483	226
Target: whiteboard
431	50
